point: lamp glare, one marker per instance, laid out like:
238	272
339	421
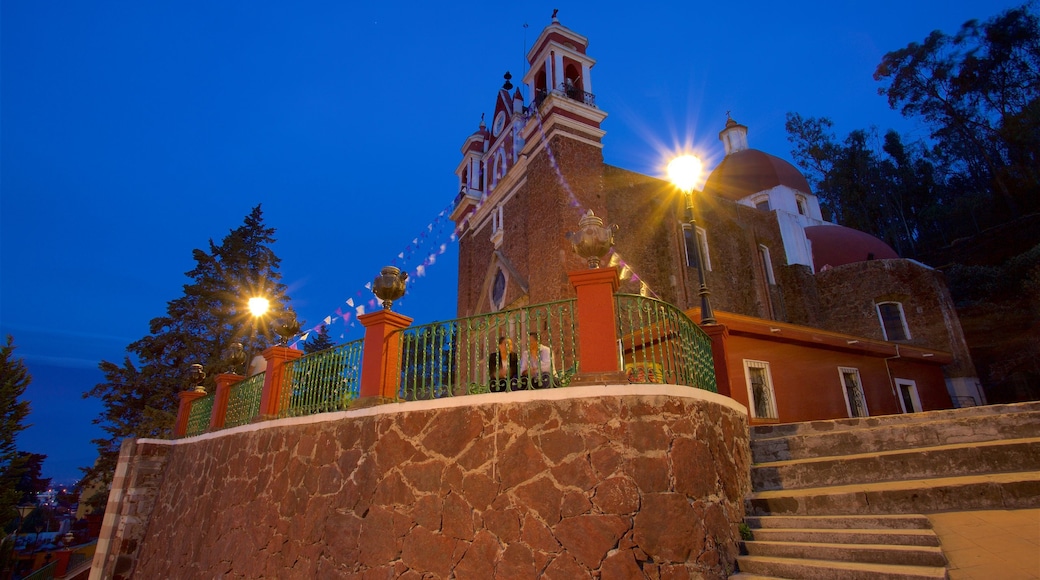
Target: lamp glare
684	171
258	306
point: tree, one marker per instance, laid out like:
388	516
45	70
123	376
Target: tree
979	91
14	379
32	482
320	341
139	395
884	187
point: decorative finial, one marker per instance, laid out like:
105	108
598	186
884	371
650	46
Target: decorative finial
728	117
593	240
482	125
389	285
555	10
507	85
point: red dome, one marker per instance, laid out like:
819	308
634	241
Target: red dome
750	171
838	245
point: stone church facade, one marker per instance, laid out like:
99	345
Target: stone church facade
525	182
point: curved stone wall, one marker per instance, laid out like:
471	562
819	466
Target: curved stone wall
583	482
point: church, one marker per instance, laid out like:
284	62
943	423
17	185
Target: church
860	318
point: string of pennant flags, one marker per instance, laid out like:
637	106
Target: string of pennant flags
434	240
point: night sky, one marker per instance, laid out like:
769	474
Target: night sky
133	132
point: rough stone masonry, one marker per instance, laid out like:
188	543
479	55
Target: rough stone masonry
640	481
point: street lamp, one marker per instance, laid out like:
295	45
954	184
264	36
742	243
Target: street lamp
258	306
684	171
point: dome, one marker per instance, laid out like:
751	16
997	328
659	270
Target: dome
750	171
838	245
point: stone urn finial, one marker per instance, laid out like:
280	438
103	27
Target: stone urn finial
195	377
389	285
593	240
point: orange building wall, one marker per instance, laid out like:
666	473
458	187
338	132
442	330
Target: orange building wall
807	384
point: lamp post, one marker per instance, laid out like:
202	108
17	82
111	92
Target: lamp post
684	171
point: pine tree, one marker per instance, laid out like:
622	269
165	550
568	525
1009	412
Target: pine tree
140	394
14	378
320	341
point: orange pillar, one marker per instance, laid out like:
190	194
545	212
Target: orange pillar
274	380
220	399
597	326
380	374
184	410
63	557
719	333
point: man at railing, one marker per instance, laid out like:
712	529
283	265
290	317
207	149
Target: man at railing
536	364
502	367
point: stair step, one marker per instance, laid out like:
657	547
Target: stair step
866	553
760	432
828	569
849	536
824	522
941	460
744	576
942	430
990	491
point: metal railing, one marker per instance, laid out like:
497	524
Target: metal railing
198	418
660	344
571	92
244	401
323	381
455	357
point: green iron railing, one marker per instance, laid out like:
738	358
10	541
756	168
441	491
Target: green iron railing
323	381
244	401
199	416
660	344
452	357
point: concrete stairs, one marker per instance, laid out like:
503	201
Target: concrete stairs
837	499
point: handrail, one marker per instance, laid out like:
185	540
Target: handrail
660	344
244	401
452	357
198	418
323	381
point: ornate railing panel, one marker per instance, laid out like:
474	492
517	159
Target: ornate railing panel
660	344
453	357
199	416
244	401
323	381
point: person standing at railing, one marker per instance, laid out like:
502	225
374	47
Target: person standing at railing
536	364
502	367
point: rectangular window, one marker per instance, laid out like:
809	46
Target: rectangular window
852	389
760	389
762	204
893	323
908	397
691	250
767	264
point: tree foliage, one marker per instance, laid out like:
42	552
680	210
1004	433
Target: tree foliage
14	379
319	342
140	393
878	185
979	92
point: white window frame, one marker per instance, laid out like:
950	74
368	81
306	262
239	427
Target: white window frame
902	319
767	264
755	201
748	365
801	204
845	390
915	397
702	239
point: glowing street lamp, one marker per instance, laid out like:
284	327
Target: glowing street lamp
258	306
684	171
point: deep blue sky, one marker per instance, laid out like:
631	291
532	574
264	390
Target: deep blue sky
133	132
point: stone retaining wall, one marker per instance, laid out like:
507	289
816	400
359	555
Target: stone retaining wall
584	482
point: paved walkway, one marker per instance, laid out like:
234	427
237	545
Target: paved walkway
982	545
